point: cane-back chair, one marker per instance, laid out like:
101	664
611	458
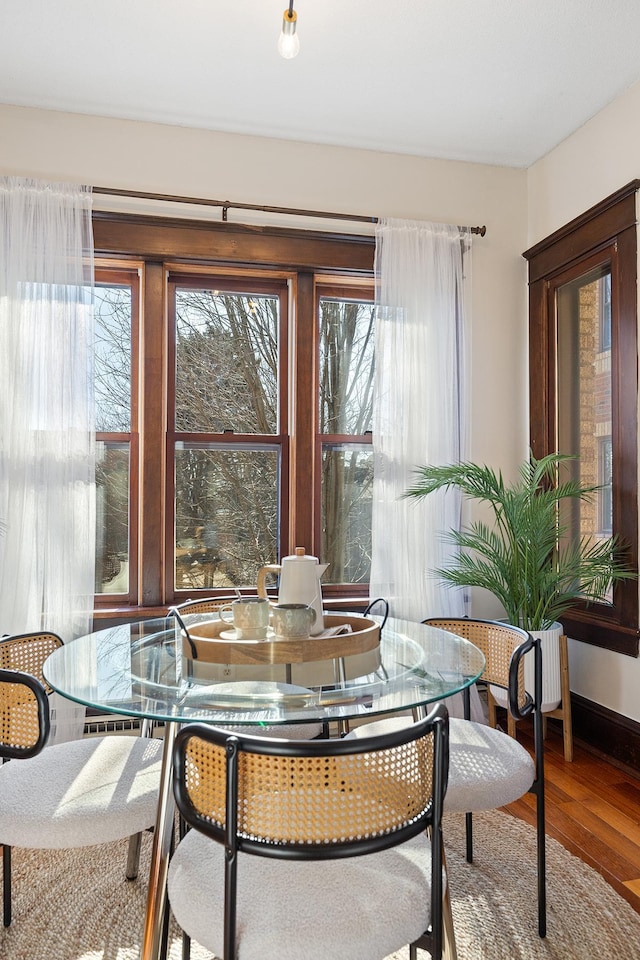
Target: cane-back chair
327	848
488	768
74	794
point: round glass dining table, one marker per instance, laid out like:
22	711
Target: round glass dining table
140	670
145	669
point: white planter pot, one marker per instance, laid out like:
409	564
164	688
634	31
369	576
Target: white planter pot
551	689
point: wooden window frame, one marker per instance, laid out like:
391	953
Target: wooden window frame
334	288
117	273
163	247
605	233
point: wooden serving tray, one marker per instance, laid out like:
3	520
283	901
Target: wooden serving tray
210	647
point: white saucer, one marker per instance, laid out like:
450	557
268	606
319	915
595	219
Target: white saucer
234	635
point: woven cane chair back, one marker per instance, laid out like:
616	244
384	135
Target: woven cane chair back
206	605
27	652
24	708
498	642
24	715
319	798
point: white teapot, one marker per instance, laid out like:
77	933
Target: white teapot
299	582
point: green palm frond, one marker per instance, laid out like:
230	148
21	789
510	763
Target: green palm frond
526	560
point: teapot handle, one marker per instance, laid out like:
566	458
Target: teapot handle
262	573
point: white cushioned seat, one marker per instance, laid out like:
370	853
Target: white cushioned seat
487	768
316	909
80	793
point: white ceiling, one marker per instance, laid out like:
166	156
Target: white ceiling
493	81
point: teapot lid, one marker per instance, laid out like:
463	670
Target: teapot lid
299	554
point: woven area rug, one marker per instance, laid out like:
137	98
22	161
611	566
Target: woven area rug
76	905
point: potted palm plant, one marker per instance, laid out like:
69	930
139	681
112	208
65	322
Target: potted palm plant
525	557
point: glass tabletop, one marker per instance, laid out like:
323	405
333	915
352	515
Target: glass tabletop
143	669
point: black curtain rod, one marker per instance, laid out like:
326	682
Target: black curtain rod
229	205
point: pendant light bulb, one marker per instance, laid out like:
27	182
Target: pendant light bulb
288	41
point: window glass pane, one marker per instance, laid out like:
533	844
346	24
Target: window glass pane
226	514
604	301
112	307
605	513
584	396
347	480
346	366
226	362
112	518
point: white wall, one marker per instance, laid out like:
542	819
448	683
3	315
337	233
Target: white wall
594	162
198	163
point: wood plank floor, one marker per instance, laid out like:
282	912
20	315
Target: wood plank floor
592	809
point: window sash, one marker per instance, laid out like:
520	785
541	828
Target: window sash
234	570
115	275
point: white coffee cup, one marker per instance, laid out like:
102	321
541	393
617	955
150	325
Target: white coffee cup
249	615
292	621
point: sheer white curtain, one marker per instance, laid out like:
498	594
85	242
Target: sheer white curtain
420	408
47	438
